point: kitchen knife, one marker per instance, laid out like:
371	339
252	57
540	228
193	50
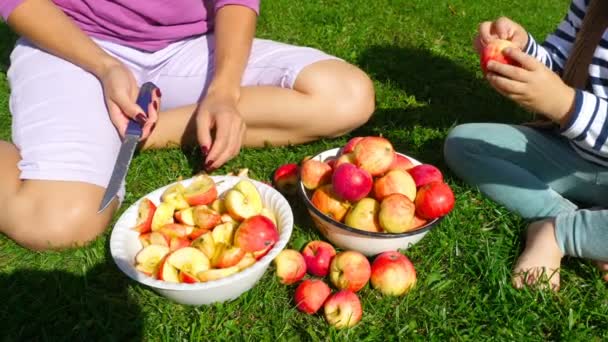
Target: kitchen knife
132	136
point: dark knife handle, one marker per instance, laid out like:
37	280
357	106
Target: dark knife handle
143	100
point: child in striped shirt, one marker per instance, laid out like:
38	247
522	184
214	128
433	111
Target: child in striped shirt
549	176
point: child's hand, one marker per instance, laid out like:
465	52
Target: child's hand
533	86
502	28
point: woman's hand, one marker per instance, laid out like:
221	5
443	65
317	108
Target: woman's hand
501	28
218	112
120	91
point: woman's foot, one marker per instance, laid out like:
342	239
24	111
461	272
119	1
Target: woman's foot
540	261
603	266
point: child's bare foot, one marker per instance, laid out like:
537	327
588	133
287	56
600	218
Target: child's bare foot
603	266
540	261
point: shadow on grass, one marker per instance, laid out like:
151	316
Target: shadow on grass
7	41
56	305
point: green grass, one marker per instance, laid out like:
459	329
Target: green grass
427	79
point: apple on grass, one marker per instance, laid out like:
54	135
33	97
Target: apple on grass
393	273
162	216
327	201
201	191
349	270
364	215
351	183
290	266
425	173
494	52
314	173
174	195
396	213
317	256
190	261
374	154
434	200
226	256
256	235
350	145
401	162
285	178
243	200
310	295
217	273
145	213
343	309
205	217
148	259
395	182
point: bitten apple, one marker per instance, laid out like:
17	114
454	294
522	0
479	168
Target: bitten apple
396	213
243	200
326	201
349	270
395	182
343	309
145	213
494	52
256	234
374	154
285	178
434	200
364	215
424	174
393	273
317	256
310	295
314	173
201	191
290	266
351	183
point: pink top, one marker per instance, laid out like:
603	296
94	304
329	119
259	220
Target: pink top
149	25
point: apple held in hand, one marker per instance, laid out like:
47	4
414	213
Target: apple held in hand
243	200
374	154
434	200
351	183
326	201
317	256
256	234
310	295
290	266
145	213
364	215
285	178
349	270
396	213
343	309
314	173
424	174
393	273
494	52
395	182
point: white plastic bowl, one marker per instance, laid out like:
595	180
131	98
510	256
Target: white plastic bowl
345	237
124	245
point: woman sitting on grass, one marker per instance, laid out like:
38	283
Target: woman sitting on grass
74	78
550	176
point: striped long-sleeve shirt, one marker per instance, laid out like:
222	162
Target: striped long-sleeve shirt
587	129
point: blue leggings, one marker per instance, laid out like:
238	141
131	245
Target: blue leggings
536	174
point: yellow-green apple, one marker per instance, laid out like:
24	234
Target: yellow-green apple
185	216
158	238
343	309
317	256
256	234
197	232
310	295
351	183
434	200
227	256
217	273
347	158
145	213
268	213
247	260
425	173
201	191
401	162
224	233
349	270
144	239
326	201
395	182
314	173
172	230
205	217
396	213
350	145
243	200
285	178
374	154
219	206
166	271
148	258
189	260
178	242
393	273
162	215
205	244
364	215
174	195
493	51
290	266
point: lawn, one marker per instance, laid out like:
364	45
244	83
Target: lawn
427	79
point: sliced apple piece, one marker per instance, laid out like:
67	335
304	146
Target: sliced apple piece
219	206
227	218
205	244
185	216
197	232
205	217
172	230
185	277
144	238
189	260
268	213
160	239
162	216
178	242
216	273
167	272
224	233
227	256
149	257
260	254
247	260
201	191
174	195
243	200
145	213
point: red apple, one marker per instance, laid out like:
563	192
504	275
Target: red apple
425	173
343	309
494	52
364	215
290	266
145	213
196	233
401	162
310	295
349	270
351	183
326	201
314	173
350	145
374	154
317	256
434	200
393	273
395	182
226	256
396	213
285	178
201	191
185	277
255	234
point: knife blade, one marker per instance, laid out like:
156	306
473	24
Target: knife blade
127	149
